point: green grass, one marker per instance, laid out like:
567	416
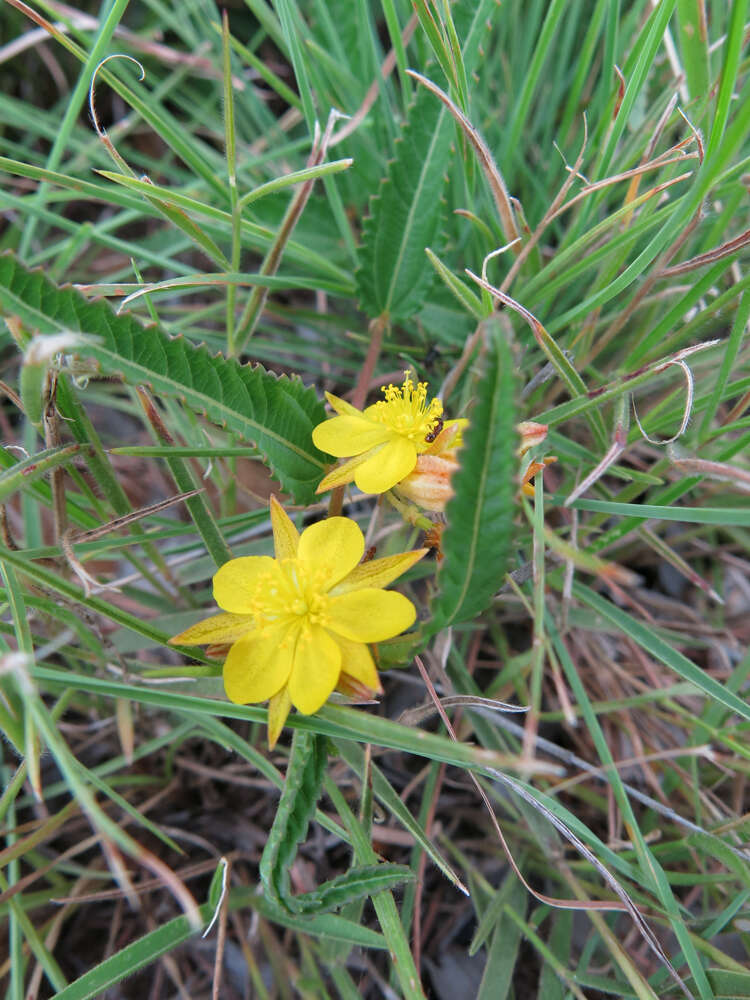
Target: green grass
283	206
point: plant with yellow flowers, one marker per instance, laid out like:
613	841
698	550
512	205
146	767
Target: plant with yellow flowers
300	625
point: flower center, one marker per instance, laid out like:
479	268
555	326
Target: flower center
405	410
291	594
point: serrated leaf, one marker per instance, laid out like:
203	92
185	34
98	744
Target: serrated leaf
357	883
394	275
276	414
296	808
480	515
299	797
325	925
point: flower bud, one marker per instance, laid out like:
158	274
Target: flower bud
429	485
531	433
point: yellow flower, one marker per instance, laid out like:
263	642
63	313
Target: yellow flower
299	623
381	442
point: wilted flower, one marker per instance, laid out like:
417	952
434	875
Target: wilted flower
531	434
299	623
429	484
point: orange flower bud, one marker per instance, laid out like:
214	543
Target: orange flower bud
429	485
531	433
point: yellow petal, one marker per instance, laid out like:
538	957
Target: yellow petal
258	665
370	615
349	435
278	710
379	572
387	466
357	662
219	628
317	664
342	474
235	582
341	406
371	412
285	535
333	547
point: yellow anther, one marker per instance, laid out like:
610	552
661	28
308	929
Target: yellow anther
406	411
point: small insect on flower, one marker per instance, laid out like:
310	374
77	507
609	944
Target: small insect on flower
428	485
381	442
299	624
429	438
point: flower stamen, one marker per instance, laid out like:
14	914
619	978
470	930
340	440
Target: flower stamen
405	410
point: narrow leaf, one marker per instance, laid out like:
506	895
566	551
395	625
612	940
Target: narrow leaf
298	800
480	515
662	651
166	938
355	884
25	471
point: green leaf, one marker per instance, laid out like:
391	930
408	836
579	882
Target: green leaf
713	847
172	934
365	880
277	414
29	469
217	884
662	651
693	39
304	776
337	722
459	288
327	926
502	954
480	515
724	516
394	275
726	983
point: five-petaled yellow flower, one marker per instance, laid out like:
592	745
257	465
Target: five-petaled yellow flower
299	624
383	441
